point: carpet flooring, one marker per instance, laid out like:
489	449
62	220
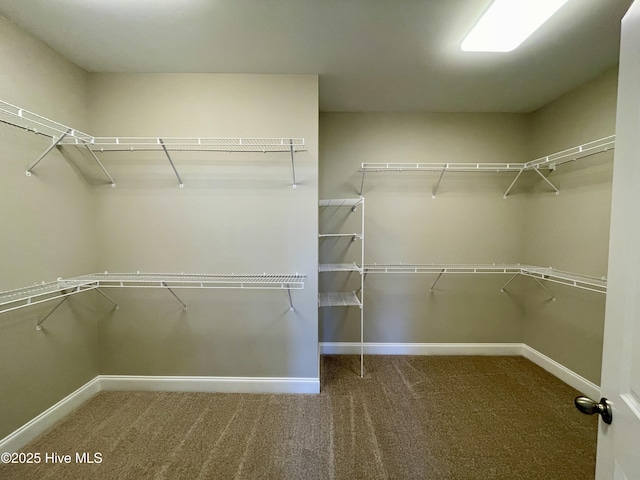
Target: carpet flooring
411	417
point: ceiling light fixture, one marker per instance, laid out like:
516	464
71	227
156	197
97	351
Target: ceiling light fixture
508	23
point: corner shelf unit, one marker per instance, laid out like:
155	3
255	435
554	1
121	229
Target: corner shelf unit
346	299
63	288
584	282
548	162
62	135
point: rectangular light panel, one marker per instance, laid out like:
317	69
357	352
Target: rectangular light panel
508	23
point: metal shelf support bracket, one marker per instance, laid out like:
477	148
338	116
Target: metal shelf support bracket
291	309
184	305
434	283
537	281
512	183
117	307
435	189
293	164
181	183
95	157
537	170
55	143
39	324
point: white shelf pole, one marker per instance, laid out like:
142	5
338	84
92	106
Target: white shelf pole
46	152
95	157
164	147
362	292
362	181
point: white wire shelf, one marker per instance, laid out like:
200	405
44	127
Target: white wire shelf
341	202
32	122
576	280
188	280
439	167
339	299
63	135
63	288
188	144
339	267
585	282
548	162
353	236
441	268
42	292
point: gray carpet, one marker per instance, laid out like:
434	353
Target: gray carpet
410	418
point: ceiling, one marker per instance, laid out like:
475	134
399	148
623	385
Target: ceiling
371	55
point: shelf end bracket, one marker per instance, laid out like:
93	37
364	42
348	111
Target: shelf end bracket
55	143
95	157
537	170
435	189
39	324
184	305
512	184
164	147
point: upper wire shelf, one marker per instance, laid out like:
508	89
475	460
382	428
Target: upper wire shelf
187	144
188	280
64	135
548	162
32	122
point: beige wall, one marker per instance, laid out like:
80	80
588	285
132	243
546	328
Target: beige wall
237	213
467	222
570	231
47	232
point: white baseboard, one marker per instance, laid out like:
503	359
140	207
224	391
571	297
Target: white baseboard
560	371
210	384
18	439
569	377
347	348
30	430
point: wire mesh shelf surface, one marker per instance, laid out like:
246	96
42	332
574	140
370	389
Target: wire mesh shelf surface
19	117
339	299
32	295
205	144
577	280
339	267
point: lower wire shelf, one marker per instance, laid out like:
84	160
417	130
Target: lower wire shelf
339	299
576	280
61	289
